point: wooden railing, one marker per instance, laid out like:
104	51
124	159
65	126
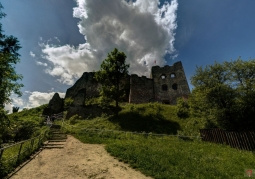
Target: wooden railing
239	140
12	155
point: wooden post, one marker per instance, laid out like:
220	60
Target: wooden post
19	152
31	145
1	154
39	141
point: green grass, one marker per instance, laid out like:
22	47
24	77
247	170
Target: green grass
10	158
162	157
29	124
172	158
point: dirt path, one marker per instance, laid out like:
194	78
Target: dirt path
76	160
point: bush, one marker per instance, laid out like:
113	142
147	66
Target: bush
25	130
73	119
67	103
182	108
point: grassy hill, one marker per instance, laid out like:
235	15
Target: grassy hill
161	157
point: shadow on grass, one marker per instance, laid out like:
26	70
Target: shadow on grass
134	121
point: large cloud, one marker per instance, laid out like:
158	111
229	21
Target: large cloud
141	29
31	99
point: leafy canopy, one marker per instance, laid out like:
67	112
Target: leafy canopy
224	94
111	75
9	56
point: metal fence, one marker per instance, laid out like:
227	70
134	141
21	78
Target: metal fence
12	155
239	140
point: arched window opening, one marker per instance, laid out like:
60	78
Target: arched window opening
164	87
163	76
172	75
174	86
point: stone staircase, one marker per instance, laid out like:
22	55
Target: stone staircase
56	139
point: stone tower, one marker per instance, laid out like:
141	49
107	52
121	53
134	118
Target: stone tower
170	83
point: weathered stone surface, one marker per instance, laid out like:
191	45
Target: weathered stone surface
87	82
56	105
141	89
79	98
165	85
87	112
169	83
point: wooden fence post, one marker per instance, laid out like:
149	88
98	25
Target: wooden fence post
19	152
39	141
31	145
1	154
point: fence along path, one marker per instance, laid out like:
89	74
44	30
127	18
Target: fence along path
239	140
13	155
86	130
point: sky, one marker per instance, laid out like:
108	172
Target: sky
62	39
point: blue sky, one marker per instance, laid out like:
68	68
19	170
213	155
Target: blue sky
56	50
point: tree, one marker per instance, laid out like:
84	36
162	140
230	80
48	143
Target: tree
9	56
15	109
111	74
225	93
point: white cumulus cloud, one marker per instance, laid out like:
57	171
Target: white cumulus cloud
144	30
31	99
41	63
32	54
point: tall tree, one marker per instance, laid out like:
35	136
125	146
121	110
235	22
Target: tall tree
113	70
9	56
226	91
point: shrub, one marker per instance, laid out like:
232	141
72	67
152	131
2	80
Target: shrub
67	103
73	119
182	108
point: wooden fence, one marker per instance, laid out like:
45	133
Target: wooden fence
12	155
239	140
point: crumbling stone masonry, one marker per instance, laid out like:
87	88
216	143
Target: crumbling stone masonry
165	85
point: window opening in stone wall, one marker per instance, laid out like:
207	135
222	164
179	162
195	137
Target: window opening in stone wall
164	87
172	75
163	77
174	86
165	101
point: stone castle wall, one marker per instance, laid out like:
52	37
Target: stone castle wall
165	85
87	83
169	83
141	89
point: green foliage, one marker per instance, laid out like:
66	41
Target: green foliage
9	46
92	101
224	94
111	75
4	125
25	130
73	119
182	108
67	103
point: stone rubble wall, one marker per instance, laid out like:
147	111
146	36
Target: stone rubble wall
141	89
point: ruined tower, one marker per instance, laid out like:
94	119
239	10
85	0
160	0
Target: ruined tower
165	85
170	83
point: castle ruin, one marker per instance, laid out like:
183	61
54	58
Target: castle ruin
165	85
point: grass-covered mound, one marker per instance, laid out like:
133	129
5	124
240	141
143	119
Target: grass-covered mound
150	117
157	156
23	125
